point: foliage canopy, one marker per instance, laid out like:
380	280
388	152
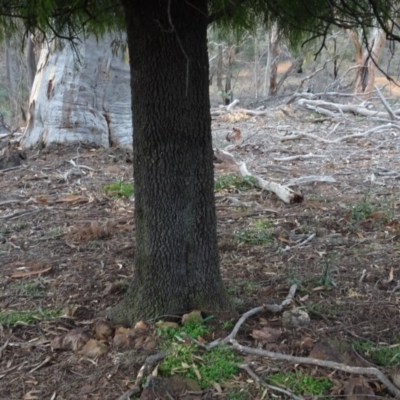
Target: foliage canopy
297	20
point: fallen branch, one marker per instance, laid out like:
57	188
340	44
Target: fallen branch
287	195
229	108
300	157
253	311
391	113
247	368
297	246
306	78
304	180
324	106
343	138
144	370
369	371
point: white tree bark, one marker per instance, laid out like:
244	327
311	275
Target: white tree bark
86	99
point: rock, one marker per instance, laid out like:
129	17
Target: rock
167	388
73	340
103	330
167	325
295	318
194	316
94	349
131	337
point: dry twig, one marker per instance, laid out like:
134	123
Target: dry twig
247	368
369	371
253	311
144	370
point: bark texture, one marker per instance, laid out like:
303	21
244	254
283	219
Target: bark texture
367	59
176	266
83	96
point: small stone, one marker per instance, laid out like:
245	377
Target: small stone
103	330
295	318
167	325
94	349
194	316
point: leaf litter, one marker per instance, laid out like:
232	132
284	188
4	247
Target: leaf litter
65	243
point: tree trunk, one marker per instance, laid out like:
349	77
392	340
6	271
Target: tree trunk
271	75
220	66
80	96
10	81
176	260
228	79
367	59
30	60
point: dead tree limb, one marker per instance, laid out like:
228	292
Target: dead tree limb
286	194
247	368
343	138
253	311
369	371
391	113
329	107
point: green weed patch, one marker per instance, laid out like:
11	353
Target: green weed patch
385	356
186	359
300	383
258	233
119	189
234	182
13	318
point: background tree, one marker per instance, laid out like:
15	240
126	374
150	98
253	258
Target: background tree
81	96
176	261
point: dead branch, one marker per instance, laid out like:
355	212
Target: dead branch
319	95
369	371
343	138
144	370
253	311
304	180
237	203
322	107
230	106
300	157
308	77
297	246
391	113
287	195
247	368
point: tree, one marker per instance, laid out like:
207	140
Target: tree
176	261
82	99
366	59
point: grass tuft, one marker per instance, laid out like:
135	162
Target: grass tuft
186	359
300	383
385	356
258	233
13	318
234	182
119	189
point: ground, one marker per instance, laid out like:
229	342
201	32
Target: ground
66	251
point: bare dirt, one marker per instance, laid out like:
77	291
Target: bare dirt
64	243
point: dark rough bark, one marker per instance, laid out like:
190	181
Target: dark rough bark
176	261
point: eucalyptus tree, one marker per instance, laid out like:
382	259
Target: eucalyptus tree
176	265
